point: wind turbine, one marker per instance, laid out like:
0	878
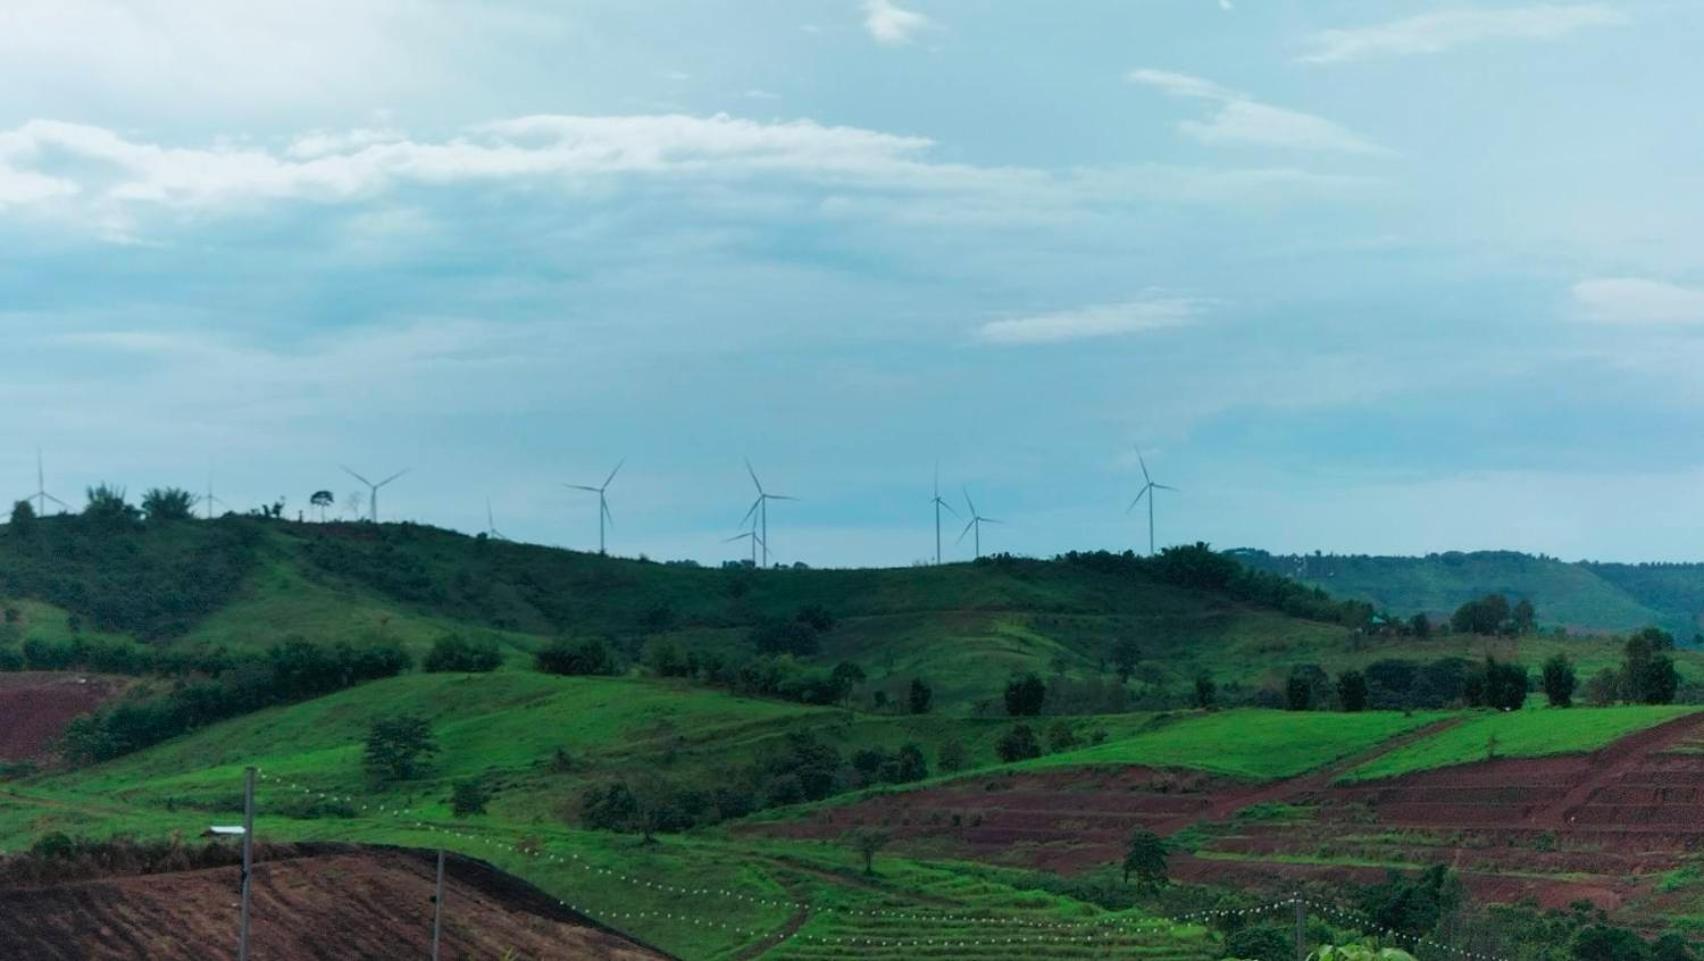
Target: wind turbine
209	499
939	503
1148	489
760	510
41	495
747	535
491	530
975	523
603	502
373	490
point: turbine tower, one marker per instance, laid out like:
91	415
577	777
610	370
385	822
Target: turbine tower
759	512
603	502
975	524
373	490
1148	489
41	496
939	503
491	530
209	499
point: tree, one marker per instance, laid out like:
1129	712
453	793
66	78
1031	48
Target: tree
1125	655
107	507
1559	681
846	677
469	797
952	755
1488	615
1352	691
920	696
1604	688
1025	695
1504	686
796	636
397	748
23	519
1601	942
1646	676
1298	694
867	842
323	500
1145	857
575	658
167	504
1206	692
1420	626
1263	942
1524	617
1359	952
1018	744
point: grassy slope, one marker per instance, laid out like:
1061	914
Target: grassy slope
1251	744
1535	732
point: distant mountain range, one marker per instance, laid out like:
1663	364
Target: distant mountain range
1582	596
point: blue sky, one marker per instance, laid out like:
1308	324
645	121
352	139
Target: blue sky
1362	276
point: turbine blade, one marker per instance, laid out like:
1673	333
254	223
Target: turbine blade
752	512
780	497
737	537
393	477
966	530
1138	500
989	520
582	487
614	472
757	483
357	476
1144	464
607	515
948	506
55	500
1164	487
969	502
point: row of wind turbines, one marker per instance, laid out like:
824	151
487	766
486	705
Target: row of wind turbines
754	526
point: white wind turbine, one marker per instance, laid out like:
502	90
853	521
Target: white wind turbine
373	490
975	523
41	496
939	503
759	512
491	530
603	502
208	497
1148	489
750	535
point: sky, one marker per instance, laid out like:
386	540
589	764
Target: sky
1368	276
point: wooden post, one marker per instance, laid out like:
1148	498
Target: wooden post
248	862
438	908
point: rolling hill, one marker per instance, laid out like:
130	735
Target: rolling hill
1581	596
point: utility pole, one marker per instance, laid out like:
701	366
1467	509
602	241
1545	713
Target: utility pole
438	907
1301	928
248	862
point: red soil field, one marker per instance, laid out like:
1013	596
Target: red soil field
36	706
1597	827
324	903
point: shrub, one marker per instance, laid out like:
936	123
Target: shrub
575	658
469	797
919	696
1025	696
1018	744
952	756
1559	681
1352	691
453	653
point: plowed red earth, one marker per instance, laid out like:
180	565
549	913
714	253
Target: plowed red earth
372	905
36	706
1597	827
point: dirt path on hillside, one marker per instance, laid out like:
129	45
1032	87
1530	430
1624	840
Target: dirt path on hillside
1227	806
1613	762
785	931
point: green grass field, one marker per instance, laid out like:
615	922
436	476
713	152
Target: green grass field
1250	744
1535	732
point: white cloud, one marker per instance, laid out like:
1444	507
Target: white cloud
319	143
1106	320
23	187
1442	30
1634	301
1240	119
891	24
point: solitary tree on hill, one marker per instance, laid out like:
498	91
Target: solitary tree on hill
1560	681
1145	859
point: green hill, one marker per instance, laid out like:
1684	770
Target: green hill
1581	596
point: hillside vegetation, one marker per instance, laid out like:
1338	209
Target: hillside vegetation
1581	596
